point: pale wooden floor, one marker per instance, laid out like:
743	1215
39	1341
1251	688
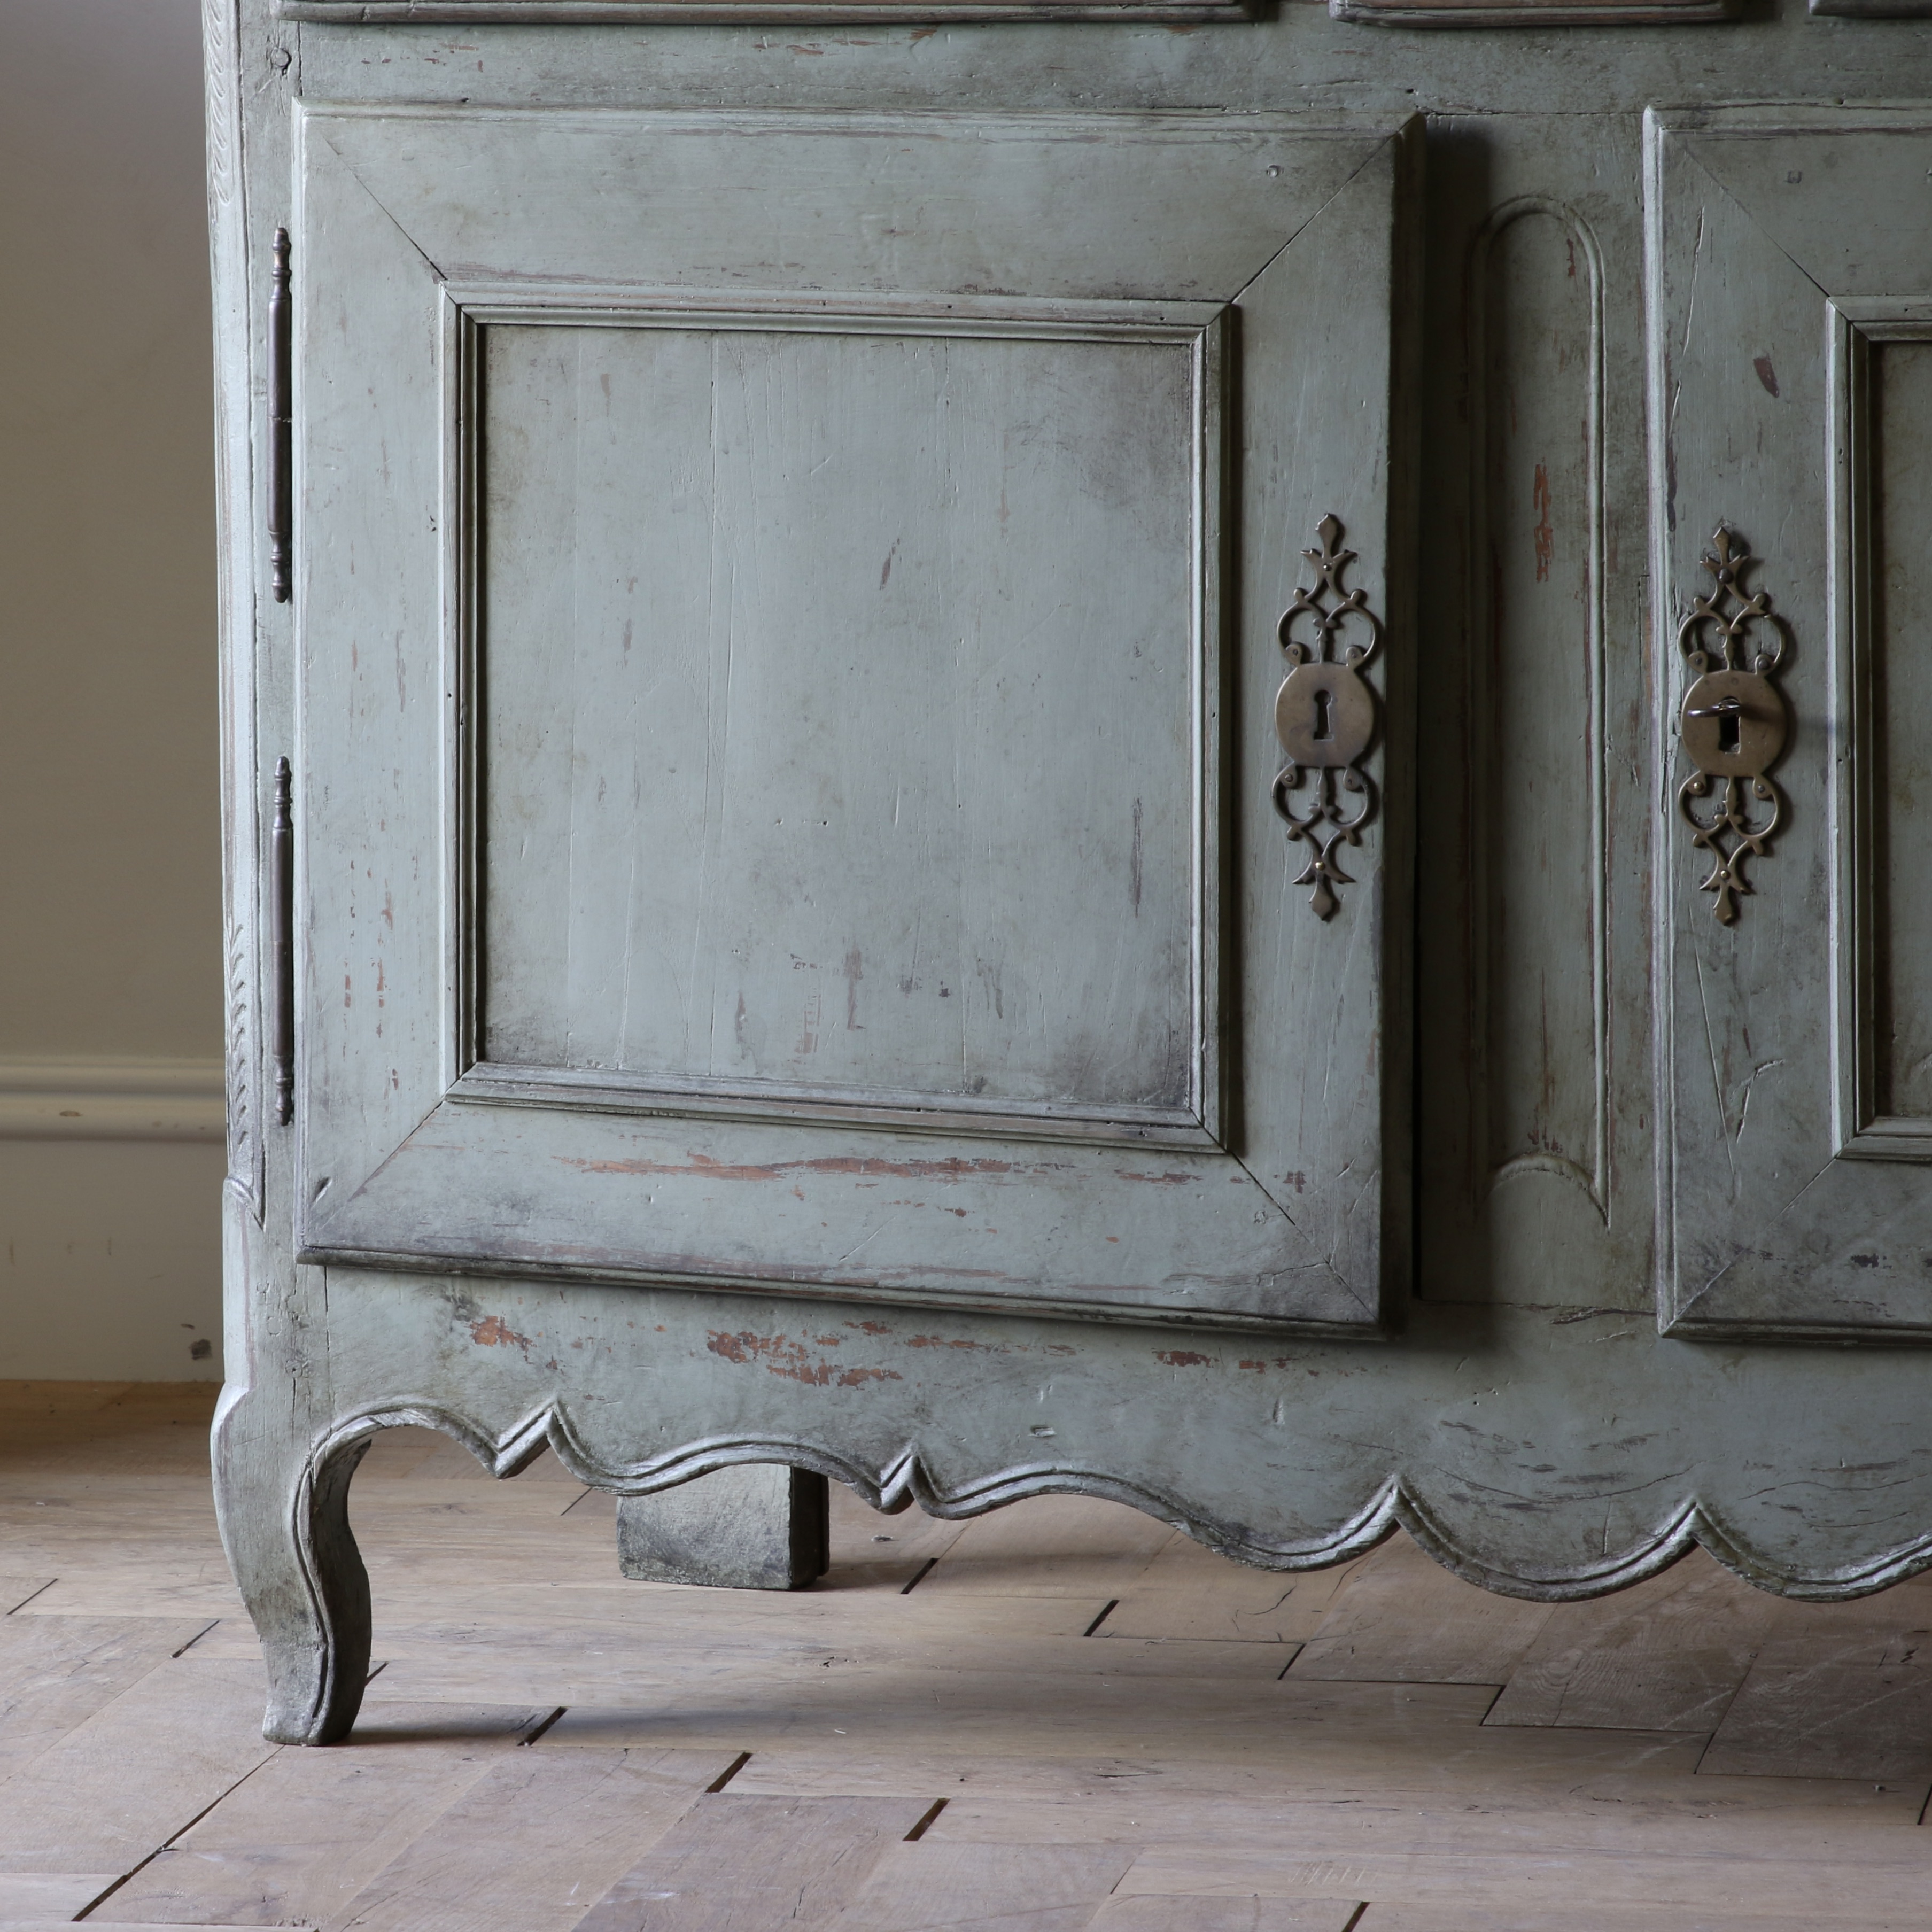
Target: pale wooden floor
1059	1716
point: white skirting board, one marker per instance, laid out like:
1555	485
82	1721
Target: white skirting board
124	1099
110	1190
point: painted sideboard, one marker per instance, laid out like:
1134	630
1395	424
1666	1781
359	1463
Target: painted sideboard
1037	745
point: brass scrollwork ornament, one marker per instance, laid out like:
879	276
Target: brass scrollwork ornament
1732	721
1325	716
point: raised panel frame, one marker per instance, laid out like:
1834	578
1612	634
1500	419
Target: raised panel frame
1202	329
1291	233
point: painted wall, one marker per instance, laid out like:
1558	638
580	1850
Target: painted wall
110	1022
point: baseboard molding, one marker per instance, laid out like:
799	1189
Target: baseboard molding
101	1099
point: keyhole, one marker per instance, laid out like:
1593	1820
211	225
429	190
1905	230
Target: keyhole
1727	729
1324	723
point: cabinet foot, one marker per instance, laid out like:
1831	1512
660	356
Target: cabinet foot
756	1526
284	1521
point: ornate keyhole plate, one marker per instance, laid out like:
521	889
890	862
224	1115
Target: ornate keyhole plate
1732	721
1325	716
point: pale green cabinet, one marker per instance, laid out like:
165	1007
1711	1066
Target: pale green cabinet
993	772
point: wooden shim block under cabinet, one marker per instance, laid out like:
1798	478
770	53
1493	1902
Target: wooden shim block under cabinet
94	1801
732	1862
55	1672
533	1839
964	1887
300	1838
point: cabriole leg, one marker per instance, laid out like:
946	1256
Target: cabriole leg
284	1521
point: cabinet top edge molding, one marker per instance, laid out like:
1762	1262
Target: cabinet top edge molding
742	12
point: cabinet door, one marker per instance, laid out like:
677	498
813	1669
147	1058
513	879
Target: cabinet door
1792	369
788	611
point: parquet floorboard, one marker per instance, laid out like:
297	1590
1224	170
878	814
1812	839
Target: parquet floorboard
1063	1718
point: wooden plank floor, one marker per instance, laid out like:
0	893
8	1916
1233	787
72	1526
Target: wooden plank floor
1059	1717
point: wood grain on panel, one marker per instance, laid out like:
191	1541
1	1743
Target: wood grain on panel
1899	785
840	697
845	676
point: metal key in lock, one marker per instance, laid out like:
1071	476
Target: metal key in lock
1734	724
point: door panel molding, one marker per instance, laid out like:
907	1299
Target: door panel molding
1274	1192
1199	331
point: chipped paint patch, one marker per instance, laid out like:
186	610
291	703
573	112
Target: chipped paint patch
494	1332
781	1356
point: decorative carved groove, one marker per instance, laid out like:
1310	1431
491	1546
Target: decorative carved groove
281	483
1535	330
281	944
1325	717
1732	722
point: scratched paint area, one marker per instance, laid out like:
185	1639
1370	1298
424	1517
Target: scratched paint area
840	694
1781	1221
1901	1017
871	687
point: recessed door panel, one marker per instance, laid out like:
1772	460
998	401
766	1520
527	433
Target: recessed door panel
789	799
841	697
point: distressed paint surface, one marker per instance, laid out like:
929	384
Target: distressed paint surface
1150	1151
840	695
1901	411
1551	1442
1541	859
1535	1099
1782	1218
